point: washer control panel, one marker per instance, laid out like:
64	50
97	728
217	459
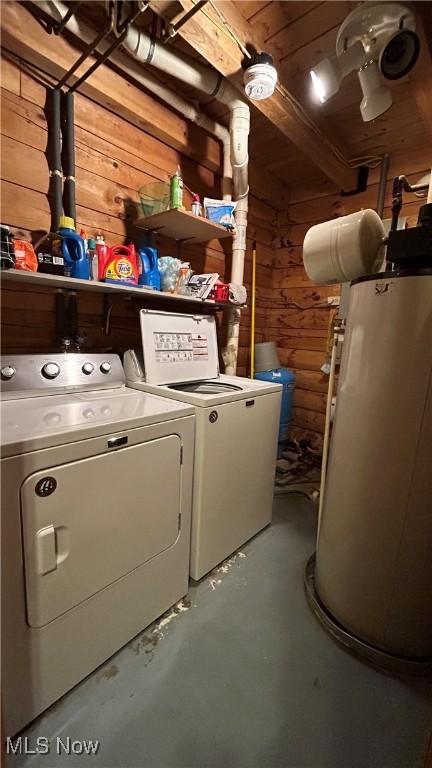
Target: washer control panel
32	375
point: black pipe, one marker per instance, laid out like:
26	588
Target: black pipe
401	184
396	202
58	28
73	319
85	54
385	162
122	31
54	157
60	315
96	64
68	158
174	28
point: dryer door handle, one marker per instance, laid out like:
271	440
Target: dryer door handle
52	547
45	550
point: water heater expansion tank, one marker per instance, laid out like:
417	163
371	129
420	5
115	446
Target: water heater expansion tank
373	572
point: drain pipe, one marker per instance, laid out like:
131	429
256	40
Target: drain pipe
147	50
142	76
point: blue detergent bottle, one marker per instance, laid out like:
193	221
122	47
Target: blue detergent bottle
76	263
150	274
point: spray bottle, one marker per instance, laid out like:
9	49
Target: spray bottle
92	257
176	190
196	205
102	253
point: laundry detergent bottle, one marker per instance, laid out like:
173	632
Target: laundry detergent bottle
73	249
121	265
149	263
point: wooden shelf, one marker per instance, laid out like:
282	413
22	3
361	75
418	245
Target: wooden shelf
75	284
183	225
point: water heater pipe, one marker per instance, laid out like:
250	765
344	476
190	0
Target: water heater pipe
252	341
327	426
385	163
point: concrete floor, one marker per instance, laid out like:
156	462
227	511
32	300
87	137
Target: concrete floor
243	676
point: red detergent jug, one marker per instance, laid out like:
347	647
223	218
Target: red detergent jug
121	265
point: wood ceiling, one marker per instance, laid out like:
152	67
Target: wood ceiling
301	34
304	33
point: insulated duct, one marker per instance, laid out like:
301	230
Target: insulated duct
146	50
54	156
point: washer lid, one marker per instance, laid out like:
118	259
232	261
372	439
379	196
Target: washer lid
178	348
212	387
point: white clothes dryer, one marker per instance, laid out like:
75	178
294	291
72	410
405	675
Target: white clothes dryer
96	504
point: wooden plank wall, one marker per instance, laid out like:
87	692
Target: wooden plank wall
299	319
113	158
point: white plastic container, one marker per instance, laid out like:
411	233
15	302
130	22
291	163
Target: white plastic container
266	357
344	249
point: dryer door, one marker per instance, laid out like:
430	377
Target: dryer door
88	523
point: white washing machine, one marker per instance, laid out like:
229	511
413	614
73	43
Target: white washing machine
96	505
236	431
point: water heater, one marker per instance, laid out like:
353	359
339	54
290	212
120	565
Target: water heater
370	582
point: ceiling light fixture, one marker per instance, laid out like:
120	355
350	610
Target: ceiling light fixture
377	40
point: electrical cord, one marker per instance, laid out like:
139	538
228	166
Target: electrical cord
372	161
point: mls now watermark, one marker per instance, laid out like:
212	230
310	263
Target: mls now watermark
41	745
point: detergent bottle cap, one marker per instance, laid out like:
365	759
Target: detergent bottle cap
92	243
195	197
100	238
66	222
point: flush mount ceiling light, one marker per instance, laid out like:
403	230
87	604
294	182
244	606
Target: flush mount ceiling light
378	40
260	77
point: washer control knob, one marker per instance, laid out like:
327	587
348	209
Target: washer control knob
50	370
87	368
7	372
105	367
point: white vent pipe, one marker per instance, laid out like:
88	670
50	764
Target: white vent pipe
142	76
235	143
204	78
